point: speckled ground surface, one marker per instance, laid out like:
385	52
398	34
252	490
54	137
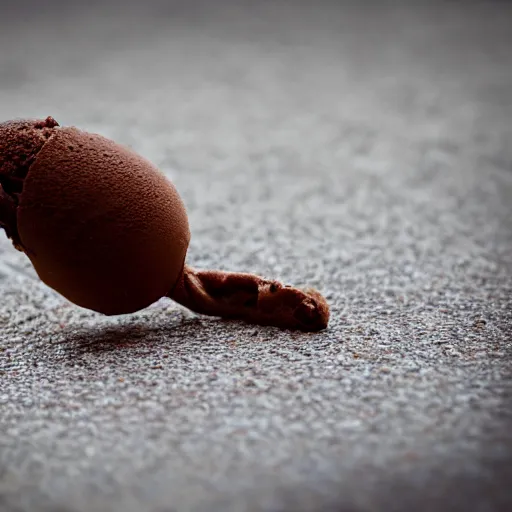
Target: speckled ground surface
363	150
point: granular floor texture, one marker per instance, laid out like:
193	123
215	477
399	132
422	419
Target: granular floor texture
363	148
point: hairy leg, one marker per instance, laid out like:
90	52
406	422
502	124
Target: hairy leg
251	298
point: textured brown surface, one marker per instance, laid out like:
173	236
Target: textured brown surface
252	298
20	141
102	225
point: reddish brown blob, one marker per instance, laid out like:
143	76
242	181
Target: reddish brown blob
100	224
105	228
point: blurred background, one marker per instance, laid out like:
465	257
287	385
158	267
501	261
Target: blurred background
364	148
270	92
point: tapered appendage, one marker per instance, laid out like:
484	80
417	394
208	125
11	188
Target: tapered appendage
251	298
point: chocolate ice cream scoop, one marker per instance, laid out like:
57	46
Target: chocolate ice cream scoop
107	230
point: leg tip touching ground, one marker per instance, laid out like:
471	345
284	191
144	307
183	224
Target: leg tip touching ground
251	298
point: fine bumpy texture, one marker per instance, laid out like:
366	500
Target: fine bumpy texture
100	224
117	234
20	142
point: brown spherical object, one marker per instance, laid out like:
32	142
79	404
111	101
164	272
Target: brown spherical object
105	228
100	224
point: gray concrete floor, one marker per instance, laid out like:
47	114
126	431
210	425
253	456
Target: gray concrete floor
361	148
